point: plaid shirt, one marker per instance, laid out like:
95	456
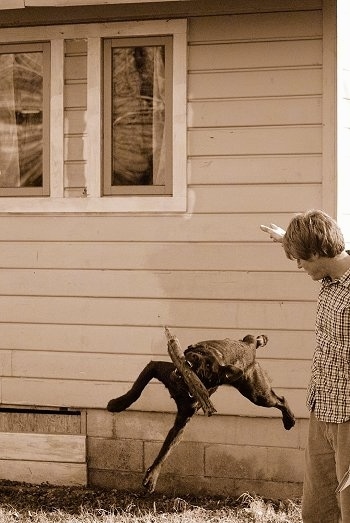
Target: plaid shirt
329	388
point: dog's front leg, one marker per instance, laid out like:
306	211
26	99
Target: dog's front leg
256	387
173	438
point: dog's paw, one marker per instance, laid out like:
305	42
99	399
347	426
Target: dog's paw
150	480
288	422
117	405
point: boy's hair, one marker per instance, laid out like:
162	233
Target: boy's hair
313	233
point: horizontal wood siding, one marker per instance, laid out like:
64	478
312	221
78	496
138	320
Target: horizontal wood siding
179	284
84	299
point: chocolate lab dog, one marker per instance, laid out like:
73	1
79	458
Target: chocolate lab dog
215	362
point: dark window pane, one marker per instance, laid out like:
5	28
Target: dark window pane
138	115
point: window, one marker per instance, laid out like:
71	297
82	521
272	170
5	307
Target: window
111	149
24	119
137	116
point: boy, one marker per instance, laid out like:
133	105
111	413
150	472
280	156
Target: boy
316	242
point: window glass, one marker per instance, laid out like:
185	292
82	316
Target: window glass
21	119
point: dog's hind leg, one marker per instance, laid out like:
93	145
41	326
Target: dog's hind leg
186	406
171	441
160	370
256	386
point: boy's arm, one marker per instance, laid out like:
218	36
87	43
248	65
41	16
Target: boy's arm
276	233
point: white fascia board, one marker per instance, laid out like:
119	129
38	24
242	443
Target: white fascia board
12	4
66	3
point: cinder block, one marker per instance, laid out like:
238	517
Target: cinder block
173	485
147	426
118	455
5	362
129	424
186	459
121	481
285	464
221	455
269	489
216	429
231	430
99	423
265	432
232	461
239	430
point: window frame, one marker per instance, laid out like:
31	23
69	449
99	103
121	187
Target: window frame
128	190
44	48
93	201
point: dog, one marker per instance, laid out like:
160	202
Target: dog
216	363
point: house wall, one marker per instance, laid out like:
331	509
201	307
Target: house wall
84	298
343	117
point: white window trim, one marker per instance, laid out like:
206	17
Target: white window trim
93	202
21	4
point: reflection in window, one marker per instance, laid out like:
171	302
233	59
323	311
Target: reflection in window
138	125
21	119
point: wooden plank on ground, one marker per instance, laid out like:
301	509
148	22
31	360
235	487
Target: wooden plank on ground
39	422
38	472
43	447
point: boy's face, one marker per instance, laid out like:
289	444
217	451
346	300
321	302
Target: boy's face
314	266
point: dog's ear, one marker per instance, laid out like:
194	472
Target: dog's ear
249	339
259	341
231	372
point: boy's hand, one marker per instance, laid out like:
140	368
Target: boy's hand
276	233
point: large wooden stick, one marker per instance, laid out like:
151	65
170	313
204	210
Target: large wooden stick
196	387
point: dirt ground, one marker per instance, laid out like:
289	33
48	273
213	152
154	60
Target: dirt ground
24	497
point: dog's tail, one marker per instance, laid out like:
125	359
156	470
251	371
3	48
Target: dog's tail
123	402
154	369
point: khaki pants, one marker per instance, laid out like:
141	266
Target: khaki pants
327	458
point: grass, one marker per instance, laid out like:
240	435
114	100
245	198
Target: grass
21	502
